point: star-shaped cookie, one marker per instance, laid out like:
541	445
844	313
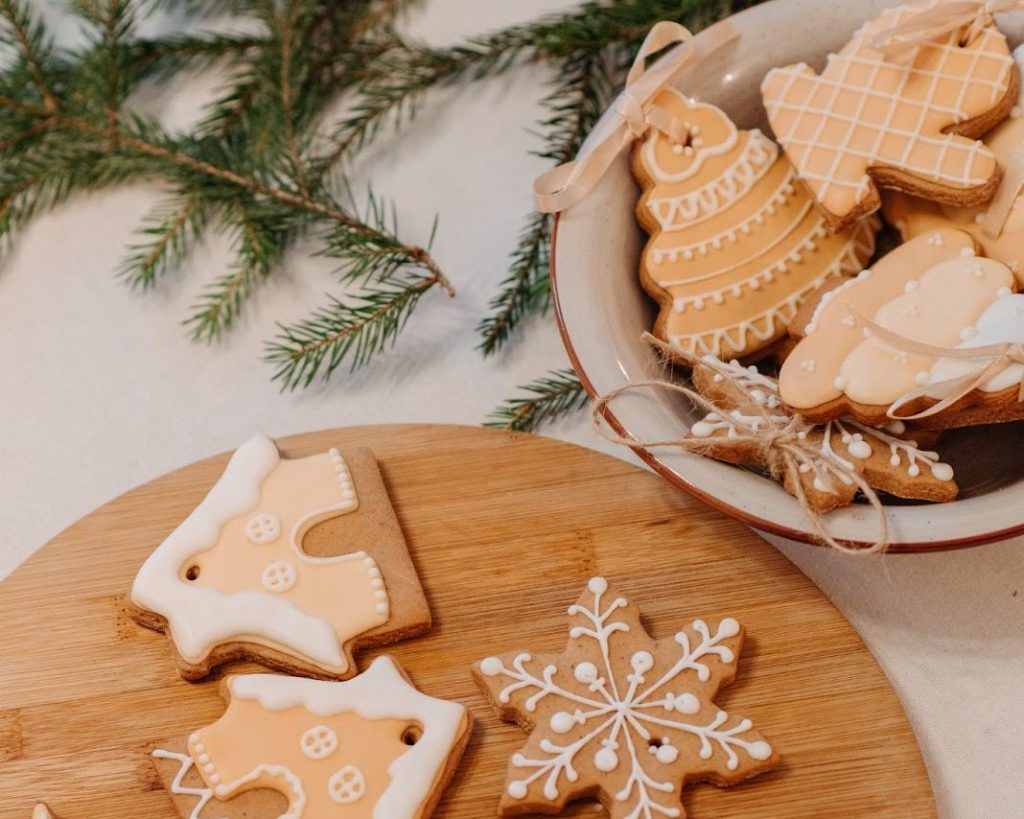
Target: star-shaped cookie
620	716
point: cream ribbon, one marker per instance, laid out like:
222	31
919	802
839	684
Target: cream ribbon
940	20
1000	207
995	358
633	110
783	446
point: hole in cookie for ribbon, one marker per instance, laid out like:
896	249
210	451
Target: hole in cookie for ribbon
412	735
655	743
192	573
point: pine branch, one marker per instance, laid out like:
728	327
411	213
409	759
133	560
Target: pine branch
174	227
403	75
35	47
354	331
583	89
552	396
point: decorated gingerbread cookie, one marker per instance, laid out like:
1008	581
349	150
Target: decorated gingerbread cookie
736	244
293	563
294	748
620	716
748	406
1001	236
906	119
863	354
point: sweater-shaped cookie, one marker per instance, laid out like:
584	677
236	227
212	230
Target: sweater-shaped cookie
907	121
735	244
290	562
912	215
372	747
934	290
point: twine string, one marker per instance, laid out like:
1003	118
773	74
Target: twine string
781	446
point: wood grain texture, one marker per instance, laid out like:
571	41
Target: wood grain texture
504	529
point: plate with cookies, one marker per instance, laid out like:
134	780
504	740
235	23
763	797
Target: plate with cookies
788	266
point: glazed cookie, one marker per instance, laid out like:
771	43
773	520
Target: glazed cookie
912	216
889	460
293	563
934	290
735	244
293	748
620	716
907	121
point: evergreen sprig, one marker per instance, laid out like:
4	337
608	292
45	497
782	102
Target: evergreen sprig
549	397
267	165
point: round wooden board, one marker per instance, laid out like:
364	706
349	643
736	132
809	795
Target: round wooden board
505	530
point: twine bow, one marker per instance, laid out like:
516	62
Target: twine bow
781	445
633	112
995	359
938	21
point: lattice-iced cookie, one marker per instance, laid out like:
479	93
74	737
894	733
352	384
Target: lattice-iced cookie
888	459
620	716
736	244
907	121
293	563
292	748
934	290
912	216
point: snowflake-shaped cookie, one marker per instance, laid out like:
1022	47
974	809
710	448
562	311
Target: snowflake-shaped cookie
621	716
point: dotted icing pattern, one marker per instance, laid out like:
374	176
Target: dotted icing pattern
645	723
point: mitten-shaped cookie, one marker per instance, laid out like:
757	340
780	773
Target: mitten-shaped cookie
933	291
906	120
1001	238
735	244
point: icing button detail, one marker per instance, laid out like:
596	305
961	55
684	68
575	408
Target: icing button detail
347	785
263	528
319	742
279	576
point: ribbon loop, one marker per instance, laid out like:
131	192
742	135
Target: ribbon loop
632	114
939	21
994	359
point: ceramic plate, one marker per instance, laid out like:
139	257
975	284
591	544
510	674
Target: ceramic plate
602	312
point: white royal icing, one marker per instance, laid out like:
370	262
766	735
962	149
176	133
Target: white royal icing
622	714
200	617
380	692
1002	322
700	153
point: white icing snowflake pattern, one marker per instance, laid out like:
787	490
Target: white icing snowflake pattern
644	729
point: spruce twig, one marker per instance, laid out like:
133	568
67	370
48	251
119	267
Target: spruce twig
554	395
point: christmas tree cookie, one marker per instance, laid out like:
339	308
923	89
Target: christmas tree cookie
735	243
293	563
908	120
293	748
620	716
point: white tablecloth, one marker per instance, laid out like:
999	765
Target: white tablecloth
101	391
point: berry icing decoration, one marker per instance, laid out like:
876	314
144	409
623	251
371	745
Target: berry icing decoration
373	743
736	243
621	716
907	120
